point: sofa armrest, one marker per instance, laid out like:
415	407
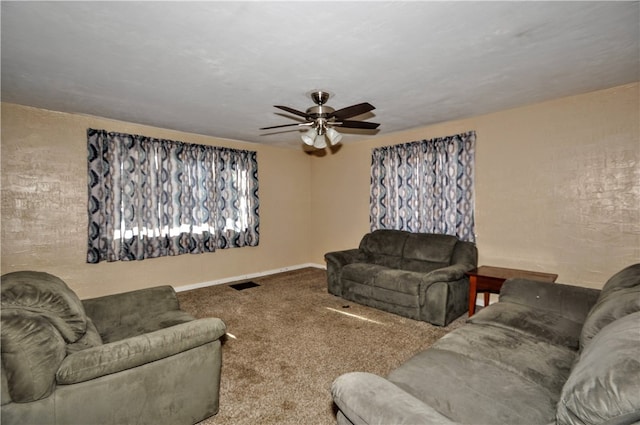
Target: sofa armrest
130	307
448	274
336	260
132	352
444	294
342	258
572	302
365	398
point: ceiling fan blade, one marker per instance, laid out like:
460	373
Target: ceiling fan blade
353	110
286	125
358	124
291	110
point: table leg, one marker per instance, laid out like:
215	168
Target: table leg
473	285
486	298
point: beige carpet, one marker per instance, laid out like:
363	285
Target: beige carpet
291	339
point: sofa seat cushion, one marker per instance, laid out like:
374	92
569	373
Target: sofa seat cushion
421	266
364	273
402	281
534	322
49	296
603	386
404	304
381	287
482	374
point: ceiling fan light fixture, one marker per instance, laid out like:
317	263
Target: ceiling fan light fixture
320	142
333	136
309	137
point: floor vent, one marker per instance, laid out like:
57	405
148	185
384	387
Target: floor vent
244	285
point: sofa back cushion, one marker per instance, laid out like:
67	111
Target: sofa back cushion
48	296
384	247
424	252
619	296
603	386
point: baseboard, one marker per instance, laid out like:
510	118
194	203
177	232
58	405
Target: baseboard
246	277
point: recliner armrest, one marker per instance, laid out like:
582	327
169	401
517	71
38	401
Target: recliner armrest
132	352
572	302
365	398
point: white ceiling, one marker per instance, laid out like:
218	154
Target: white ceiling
217	68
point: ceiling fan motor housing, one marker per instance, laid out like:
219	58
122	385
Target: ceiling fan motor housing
320	112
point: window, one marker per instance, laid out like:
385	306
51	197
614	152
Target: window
154	197
425	186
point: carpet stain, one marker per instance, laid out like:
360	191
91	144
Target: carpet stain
247	374
288	405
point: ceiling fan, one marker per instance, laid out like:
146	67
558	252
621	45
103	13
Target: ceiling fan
322	118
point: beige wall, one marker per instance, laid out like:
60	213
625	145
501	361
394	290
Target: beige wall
557	189
44	198
557	186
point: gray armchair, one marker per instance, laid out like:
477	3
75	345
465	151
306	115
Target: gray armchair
132	358
416	275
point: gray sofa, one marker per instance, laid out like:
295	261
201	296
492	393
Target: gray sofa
416	275
131	358
544	354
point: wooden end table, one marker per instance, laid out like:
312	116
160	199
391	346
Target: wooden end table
489	279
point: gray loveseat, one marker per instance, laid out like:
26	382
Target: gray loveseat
131	358
416	275
544	354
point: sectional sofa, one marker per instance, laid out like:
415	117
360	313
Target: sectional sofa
544	354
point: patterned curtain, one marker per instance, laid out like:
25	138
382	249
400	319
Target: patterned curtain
153	197
425	186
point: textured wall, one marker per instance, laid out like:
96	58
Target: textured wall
557	189
557	186
44	198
